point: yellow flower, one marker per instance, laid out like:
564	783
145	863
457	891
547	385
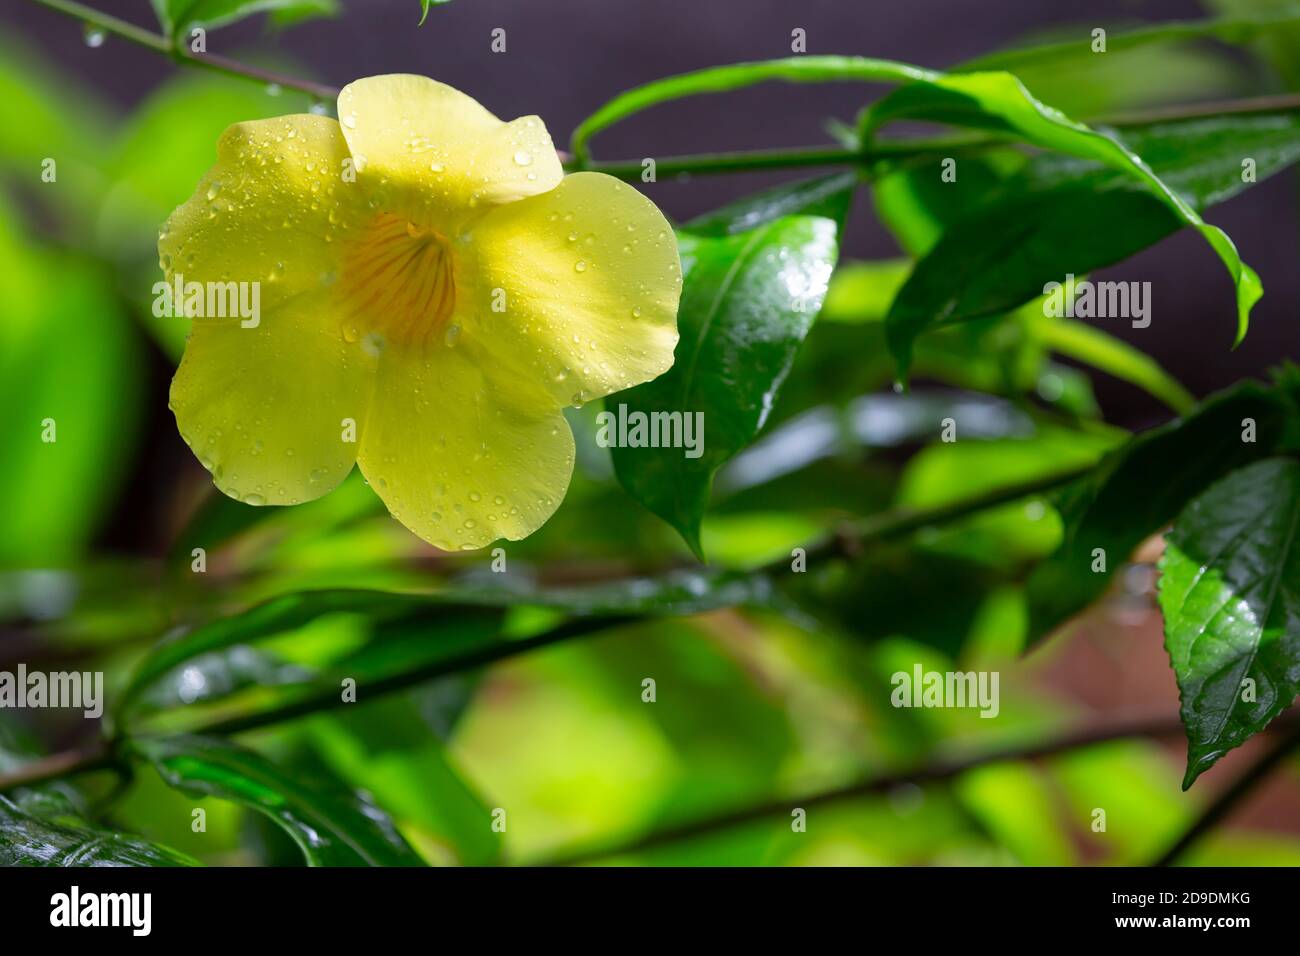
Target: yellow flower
432	291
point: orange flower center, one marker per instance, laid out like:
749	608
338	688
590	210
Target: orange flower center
399	285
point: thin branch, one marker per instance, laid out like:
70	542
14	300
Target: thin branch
880	784
704	164
100	755
848	540
95	756
330	698
160	44
1212	815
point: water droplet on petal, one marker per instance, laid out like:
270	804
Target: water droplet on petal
523	158
580	265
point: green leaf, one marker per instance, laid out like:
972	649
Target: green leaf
917	206
679	593
1159	62
176	16
331	825
898	589
1063	215
47	825
722	79
748	300
996	102
1139	488
28	840
1230	593
386	746
823	196
1092	346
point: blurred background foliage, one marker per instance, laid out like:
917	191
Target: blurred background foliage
754	703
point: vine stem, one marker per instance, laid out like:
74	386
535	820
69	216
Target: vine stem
702	164
104	754
67	763
930	773
208	61
847	542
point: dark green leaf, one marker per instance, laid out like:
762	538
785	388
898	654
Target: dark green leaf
824	196
898	590
28	840
1066	215
687	592
47	825
1139	488
914	202
386	746
748	301
331	825
1230	593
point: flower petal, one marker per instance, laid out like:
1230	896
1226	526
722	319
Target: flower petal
275	209
459	456
263	406
267	409
436	156
576	288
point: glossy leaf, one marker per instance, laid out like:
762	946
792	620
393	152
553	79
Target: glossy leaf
1141	487
386	746
1230	593
748	300
330	824
47	825
1092	346
687	592
28	840
1077	213
722	79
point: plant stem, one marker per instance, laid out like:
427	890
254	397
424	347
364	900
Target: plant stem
330	698
100	755
1224	802
759	160
848	541
880	784
95	756
704	164
160	44
869	786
